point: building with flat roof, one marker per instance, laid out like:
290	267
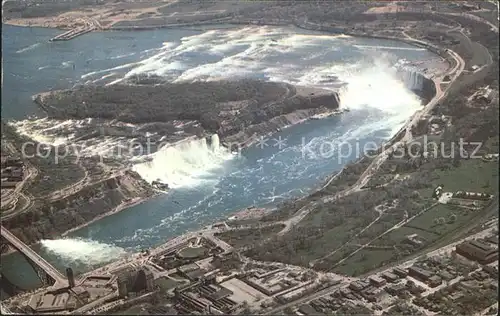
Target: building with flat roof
419	273
400	272
359	285
377	281
445	275
391	277
48	303
434	281
477	251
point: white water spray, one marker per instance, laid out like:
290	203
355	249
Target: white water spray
186	164
378	87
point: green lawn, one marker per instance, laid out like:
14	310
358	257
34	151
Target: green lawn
426	220
249	237
333	238
365	260
472	175
397	236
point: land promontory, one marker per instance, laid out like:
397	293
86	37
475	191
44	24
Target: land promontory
235	110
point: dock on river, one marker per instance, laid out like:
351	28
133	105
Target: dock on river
66	36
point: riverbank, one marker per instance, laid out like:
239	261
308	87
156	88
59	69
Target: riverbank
119	208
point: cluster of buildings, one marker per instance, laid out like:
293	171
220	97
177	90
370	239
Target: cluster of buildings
490	157
463	198
475	291
198	276
472	196
453	275
362	296
12	171
372	288
330	304
217	293
428	277
205	297
483	96
77	297
479	251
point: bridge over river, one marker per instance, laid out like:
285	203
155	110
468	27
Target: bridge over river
47	273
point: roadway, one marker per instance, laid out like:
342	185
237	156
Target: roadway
4	310
59	278
31	173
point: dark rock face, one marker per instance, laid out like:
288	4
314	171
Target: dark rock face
427	92
418	84
224	107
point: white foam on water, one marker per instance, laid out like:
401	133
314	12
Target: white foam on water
122	56
105	77
377	47
47	131
31	47
67	64
186	164
82	251
242	52
125	66
115	82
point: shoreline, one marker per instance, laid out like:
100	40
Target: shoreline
118	209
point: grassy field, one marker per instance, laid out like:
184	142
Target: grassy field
365	260
248	237
472	175
396	237
333	238
426	222
328	262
